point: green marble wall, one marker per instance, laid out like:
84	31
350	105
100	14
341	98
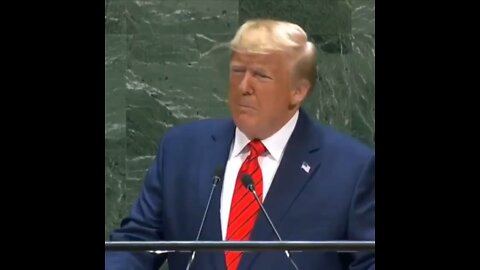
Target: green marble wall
166	62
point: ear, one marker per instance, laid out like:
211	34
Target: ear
300	91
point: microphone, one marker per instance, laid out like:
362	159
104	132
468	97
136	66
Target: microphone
216	179
248	183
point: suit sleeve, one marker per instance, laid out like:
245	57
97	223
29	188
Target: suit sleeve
144	222
361	224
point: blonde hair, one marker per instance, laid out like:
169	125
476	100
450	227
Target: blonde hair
265	36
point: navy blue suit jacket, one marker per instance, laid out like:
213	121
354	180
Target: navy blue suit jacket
335	200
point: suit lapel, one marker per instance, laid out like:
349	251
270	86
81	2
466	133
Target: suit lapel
288	182
215	156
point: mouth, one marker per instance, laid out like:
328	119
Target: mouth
246	107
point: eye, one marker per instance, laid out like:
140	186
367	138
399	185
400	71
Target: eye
261	75
237	70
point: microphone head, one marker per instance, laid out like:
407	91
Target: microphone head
248	182
219	172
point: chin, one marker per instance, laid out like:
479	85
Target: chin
247	124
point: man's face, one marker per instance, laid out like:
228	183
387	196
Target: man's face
261	98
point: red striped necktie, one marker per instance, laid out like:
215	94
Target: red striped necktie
244	208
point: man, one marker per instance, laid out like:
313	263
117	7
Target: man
315	183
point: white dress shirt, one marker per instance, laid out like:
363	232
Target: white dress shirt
268	162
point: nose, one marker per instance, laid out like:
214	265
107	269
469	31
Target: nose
245	86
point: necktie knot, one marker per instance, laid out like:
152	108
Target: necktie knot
256	148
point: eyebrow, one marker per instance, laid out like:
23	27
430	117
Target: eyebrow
236	64
258	69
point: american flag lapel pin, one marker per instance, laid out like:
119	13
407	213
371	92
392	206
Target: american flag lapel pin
306	167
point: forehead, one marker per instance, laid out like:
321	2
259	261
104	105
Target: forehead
272	60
